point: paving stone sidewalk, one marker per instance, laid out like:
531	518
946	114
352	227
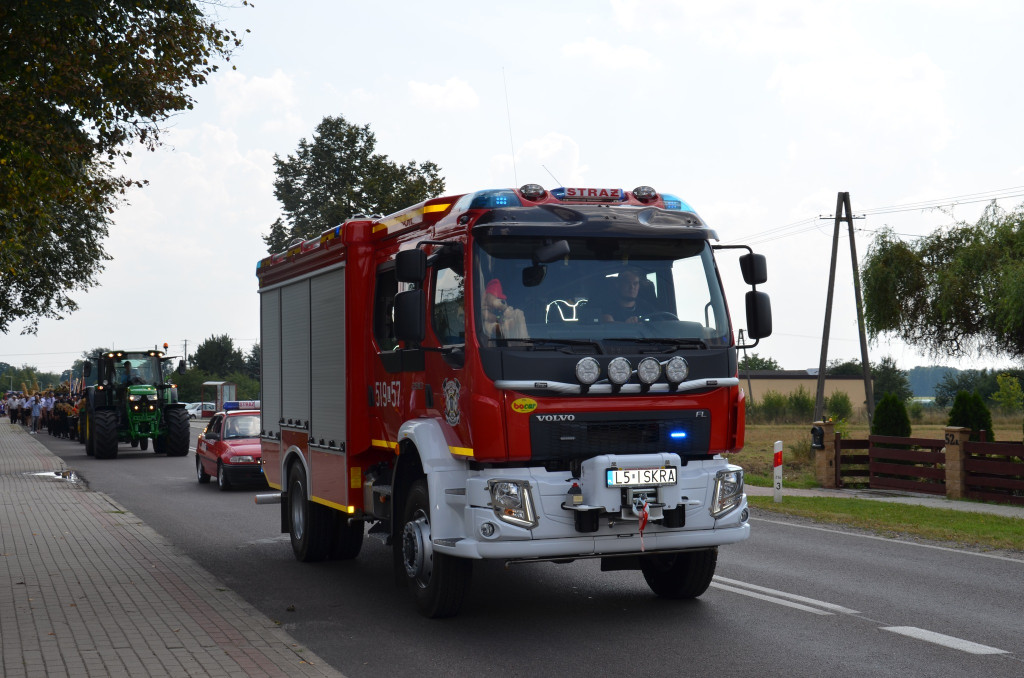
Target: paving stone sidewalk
87	589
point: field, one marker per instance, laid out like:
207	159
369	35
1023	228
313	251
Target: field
798	460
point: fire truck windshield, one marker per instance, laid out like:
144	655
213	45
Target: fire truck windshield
603	288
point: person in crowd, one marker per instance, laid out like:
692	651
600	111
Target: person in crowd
36	411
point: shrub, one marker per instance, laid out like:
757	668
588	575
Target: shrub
773	407
838	406
801	405
890	418
969	411
916	411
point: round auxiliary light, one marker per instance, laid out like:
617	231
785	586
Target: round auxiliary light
648	370
619	371
587	371
532	191
644	193
676	370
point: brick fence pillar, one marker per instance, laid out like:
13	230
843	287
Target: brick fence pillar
825	459
956	480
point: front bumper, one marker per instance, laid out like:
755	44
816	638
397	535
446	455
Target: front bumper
470	528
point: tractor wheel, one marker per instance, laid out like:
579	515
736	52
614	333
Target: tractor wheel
178	431
90	449
143	444
680	575
438	581
103	426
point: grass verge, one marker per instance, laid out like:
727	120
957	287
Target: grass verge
980	530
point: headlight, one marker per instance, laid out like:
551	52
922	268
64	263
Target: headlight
242	459
134	398
648	370
676	370
728	491
511	502
619	371
587	371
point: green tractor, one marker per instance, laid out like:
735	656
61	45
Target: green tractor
130	402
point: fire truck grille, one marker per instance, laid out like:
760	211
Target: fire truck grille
569	436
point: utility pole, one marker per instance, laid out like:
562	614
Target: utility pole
186	351
844	213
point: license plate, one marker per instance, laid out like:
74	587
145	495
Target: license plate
645	477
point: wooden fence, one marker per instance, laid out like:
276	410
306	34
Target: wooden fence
994	472
953	467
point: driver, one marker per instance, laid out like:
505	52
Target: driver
627	307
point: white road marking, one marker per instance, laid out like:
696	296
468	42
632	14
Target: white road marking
791	596
770	599
891	541
944	640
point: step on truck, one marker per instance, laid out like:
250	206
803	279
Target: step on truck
519	375
131	401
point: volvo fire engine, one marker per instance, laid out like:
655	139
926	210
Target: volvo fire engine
523	375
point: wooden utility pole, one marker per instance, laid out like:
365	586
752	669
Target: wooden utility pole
844	213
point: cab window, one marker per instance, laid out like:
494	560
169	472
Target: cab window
214	427
449	308
384	310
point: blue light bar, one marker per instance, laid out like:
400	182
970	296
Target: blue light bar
482	200
675	203
678	435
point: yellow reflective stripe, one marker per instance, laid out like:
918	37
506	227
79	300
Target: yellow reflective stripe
384	443
410	216
461	451
273	486
340	507
436	208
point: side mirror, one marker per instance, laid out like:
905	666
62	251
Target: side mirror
87	369
755	269
181	366
759	315
411	266
411	317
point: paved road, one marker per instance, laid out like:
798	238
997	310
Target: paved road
795	600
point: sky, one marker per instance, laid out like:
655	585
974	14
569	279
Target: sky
757	114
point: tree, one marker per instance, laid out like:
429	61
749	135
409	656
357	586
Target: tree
888	378
843	368
218	356
969	411
890	418
1010	397
981	381
80	83
756	362
957	291
252	362
339	175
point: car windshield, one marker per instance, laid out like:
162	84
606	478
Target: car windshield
640	290
242	426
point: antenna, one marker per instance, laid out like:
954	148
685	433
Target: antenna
552	175
508	115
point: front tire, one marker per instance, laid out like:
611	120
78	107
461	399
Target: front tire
144	444
680	575
222	477
104	433
178	430
438	581
202	476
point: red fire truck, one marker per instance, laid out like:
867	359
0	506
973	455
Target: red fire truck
518	374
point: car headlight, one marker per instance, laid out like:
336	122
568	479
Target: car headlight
728	491
134	398
242	459
512	502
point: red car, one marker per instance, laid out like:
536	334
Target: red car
229	448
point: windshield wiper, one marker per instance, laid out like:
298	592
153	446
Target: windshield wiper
670	344
552	344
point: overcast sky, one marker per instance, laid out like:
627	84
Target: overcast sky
755	113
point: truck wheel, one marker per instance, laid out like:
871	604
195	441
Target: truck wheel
309	523
438	581
103	425
680	575
348	539
202	476
176	443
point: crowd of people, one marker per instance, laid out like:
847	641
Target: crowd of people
50	411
